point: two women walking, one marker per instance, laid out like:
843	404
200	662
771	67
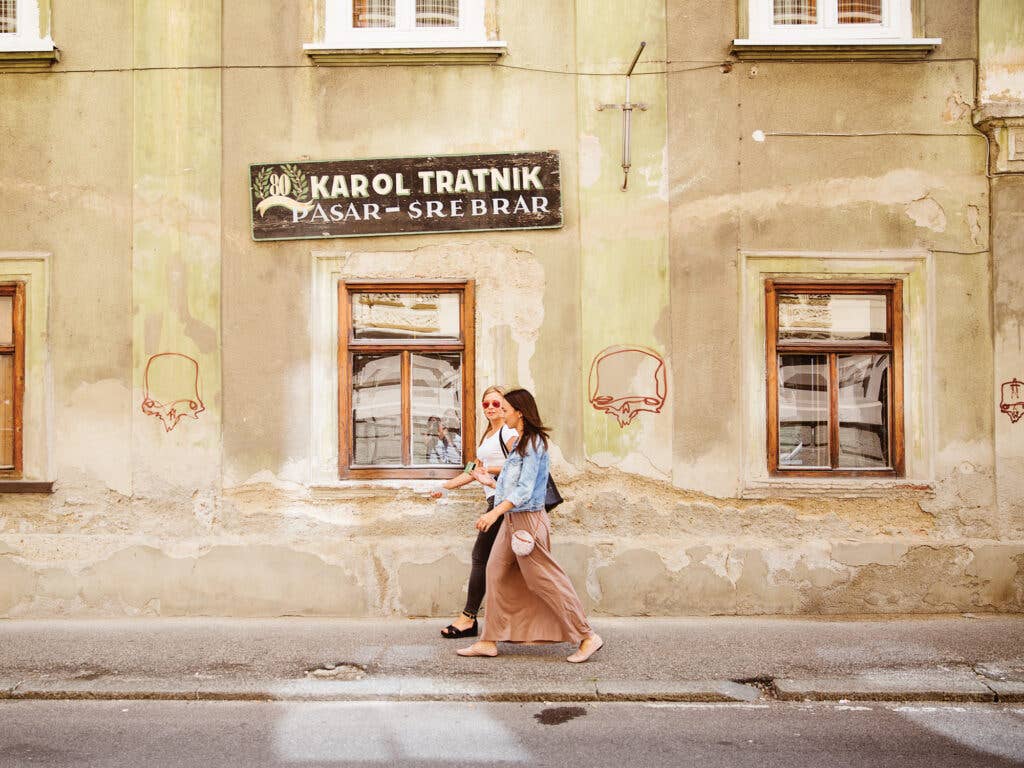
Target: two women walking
529	598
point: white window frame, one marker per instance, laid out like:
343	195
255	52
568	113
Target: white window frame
27	38
339	29
897	25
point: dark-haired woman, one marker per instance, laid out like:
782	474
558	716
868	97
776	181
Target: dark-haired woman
529	598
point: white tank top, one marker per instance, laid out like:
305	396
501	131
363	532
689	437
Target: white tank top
489	454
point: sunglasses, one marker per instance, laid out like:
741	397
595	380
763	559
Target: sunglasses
492	404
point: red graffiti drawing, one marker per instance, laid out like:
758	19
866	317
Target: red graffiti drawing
1012	401
171	384
625	381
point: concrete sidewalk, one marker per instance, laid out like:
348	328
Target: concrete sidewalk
919	658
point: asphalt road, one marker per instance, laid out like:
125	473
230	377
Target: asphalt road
159	734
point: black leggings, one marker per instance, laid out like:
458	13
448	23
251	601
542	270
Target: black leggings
478	573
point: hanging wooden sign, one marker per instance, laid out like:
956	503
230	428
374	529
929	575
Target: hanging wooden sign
404	196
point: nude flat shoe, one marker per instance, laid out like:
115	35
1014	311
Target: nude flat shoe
474	651
582	655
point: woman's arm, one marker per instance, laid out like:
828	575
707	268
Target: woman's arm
452	483
520	491
483	476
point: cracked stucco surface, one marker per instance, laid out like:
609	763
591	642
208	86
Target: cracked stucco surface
221	518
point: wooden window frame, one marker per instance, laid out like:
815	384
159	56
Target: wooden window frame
17	351
892	345
347	346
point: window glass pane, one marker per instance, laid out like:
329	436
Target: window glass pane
803	411
796	11
6	319
405	315
863	410
6	411
831	317
373	13
377	409
8	16
437	13
437	409
860	11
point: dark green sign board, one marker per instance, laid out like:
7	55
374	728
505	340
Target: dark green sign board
405	195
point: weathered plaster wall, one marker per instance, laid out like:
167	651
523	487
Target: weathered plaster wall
1008	317
135	181
1001	116
623	240
277	113
66	173
1001	51
176	212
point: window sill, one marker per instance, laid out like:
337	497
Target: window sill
403	54
12	61
25	486
859	487
836	50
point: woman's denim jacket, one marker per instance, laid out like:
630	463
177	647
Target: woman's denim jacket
524	479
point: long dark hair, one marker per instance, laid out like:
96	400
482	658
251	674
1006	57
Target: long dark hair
532	430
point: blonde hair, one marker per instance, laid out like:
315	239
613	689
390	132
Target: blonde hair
493	388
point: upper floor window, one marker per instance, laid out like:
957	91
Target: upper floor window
382	22
8	17
812	21
835	383
21	28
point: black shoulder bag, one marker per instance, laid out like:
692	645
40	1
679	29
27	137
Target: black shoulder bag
552	498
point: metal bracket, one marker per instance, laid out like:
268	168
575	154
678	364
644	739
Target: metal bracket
627	108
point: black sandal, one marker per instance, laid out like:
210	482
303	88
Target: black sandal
451	632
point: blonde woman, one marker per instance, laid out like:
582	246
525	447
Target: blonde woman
490	458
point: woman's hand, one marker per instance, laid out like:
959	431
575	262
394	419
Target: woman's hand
482	476
485	521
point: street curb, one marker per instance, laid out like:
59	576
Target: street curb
427	689
379	689
954	684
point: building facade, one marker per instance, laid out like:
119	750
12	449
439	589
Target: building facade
258	260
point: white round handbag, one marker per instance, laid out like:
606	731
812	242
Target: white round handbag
522	543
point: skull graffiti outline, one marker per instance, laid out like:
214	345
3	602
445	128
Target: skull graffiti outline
1011	401
626	381
167	377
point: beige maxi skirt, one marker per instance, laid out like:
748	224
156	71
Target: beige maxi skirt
530	599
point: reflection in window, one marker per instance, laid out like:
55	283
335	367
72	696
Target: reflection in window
368	14
796	12
863	411
6	411
437	13
405	316
832	317
860	11
803	411
6	319
437	409
377	409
